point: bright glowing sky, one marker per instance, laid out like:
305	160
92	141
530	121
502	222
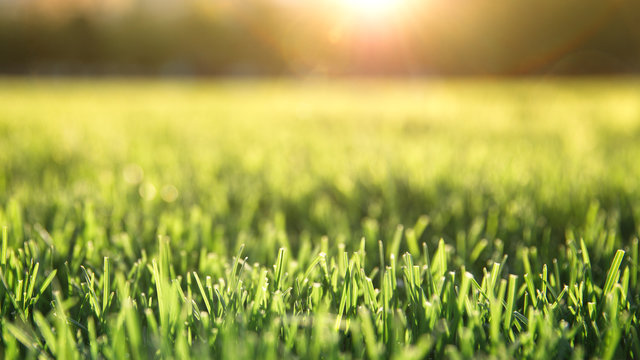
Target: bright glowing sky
371	8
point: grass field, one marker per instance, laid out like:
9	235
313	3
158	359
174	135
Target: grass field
281	219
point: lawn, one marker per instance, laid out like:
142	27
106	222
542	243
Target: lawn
313	219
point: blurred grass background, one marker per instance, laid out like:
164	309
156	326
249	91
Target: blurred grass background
268	163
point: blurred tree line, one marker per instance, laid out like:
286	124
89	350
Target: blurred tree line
282	37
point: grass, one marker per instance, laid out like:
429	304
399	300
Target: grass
372	219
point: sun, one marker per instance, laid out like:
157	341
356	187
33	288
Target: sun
373	8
